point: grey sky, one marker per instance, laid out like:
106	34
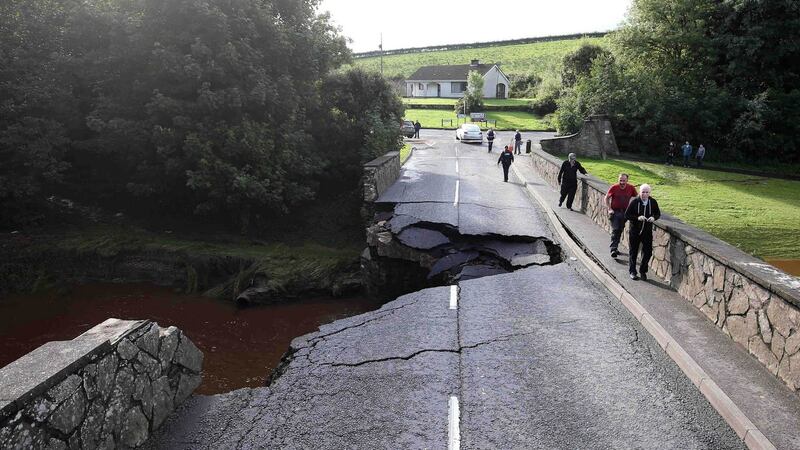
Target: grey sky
418	23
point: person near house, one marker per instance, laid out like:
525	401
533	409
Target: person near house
506	158
417	126
518	143
490	139
641	212
701	153
617	199
671	152
687	153
568	179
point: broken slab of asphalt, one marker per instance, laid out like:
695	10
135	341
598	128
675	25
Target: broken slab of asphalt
416	245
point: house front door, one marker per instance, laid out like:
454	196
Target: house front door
501	90
438	90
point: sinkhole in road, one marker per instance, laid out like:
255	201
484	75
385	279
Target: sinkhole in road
406	254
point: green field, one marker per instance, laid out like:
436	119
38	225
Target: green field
506	120
759	215
452	101
513	59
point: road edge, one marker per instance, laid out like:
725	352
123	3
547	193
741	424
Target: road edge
719	400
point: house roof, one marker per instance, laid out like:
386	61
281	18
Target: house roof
457	72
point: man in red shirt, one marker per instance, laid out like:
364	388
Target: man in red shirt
617	199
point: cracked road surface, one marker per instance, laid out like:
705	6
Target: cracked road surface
543	357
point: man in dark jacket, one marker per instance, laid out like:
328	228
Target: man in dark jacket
506	158
490	139
568	179
518	143
671	152
642	212
417	126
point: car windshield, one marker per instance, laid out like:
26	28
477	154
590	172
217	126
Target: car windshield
471	128
408	123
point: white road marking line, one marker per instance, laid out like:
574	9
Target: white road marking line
453	432
455	200
456	165
453	296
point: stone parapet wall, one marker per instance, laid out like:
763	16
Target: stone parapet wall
755	304
596	138
108	388
379	174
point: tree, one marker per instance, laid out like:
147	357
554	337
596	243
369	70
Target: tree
473	96
578	63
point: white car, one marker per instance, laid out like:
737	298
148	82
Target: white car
469	132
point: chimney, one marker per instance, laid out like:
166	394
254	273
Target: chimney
474	63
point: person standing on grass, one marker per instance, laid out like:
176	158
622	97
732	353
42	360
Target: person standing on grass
641	212
701	153
518	143
687	153
417	126
506	158
568	179
617	199
490	139
671	152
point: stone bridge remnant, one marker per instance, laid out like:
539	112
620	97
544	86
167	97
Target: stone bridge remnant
596	138
753	303
110	387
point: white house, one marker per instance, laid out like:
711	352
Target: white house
451	81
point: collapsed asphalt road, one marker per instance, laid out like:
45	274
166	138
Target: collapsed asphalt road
541	357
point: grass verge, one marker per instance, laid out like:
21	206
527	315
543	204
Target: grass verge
452	101
757	214
405	153
506	120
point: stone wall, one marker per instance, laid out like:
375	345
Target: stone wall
755	304
596	138
379	174
108	388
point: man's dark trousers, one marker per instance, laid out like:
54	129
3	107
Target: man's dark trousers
490	145
617	225
568	192
505	171
646	241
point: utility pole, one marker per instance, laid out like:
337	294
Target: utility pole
381	48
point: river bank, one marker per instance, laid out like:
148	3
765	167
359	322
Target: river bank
223	267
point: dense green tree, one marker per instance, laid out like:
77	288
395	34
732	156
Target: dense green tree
579	63
720	73
472	101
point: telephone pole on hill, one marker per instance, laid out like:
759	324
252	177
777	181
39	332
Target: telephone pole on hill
381	48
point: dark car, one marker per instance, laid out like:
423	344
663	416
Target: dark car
407	128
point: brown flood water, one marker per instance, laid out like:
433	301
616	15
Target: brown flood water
241	345
790	266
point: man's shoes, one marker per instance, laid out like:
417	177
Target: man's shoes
614	253
633	276
643	276
570	208
559	205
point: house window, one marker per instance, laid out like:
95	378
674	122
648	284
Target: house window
421	87
458	87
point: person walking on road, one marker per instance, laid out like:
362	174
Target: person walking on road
701	153
617	199
568	179
518	143
506	158
490	139
671	152
641	212
687	153
417	126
